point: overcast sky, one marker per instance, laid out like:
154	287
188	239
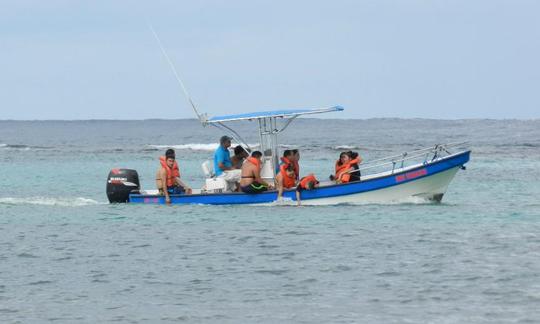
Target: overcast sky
427	59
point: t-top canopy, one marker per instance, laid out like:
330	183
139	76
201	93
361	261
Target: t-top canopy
269	114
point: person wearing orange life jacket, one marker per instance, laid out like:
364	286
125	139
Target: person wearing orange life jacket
168	177
251	181
285	179
308	182
345	166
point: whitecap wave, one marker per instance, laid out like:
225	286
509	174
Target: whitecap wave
345	147
193	146
22	147
49	201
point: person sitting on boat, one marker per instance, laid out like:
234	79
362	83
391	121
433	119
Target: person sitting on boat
308	182
222	156
251	181
168	177
285	179
240	154
223	166
355	175
290	157
296	160
345	166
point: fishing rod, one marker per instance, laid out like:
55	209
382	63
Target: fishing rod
201	117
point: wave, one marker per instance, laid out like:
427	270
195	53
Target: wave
191	146
345	147
49	201
22	147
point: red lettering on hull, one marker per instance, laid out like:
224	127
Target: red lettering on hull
411	175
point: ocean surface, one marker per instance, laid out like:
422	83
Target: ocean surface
67	256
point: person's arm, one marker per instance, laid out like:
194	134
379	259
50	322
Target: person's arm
298	197
257	175
223	167
187	189
163	178
348	171
279	186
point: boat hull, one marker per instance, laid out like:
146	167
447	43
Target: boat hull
427	181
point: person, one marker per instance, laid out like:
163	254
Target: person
295	160
285	179
345	166
290	157
308	182
355	175
222	156
251	181
286	159
168	177
240	154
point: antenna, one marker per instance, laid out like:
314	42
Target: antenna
173	68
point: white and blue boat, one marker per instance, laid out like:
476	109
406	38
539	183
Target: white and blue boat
420	174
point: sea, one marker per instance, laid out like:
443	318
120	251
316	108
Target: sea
68	256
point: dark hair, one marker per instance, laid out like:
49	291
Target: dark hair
340	155
295	151
256	154
224	139
311	185
169	154
290	168
353	155
287	153
238	150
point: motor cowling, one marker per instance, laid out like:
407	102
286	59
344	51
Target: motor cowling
120	183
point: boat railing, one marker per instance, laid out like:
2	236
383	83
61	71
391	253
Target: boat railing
428	154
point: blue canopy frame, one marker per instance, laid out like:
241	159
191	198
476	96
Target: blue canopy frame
286	113
268	130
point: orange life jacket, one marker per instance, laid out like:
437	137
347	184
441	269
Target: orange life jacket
172	173
341	170
255	161
307	179
295	165
288	182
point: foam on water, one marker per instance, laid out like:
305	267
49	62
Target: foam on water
49	201
194	146
345	147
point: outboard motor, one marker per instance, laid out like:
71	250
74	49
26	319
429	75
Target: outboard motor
120	183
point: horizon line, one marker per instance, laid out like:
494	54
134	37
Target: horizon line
344	119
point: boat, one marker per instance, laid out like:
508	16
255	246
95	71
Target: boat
420	174
423	174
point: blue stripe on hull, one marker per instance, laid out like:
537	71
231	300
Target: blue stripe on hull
324	192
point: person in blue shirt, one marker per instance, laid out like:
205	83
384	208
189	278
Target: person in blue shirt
222	156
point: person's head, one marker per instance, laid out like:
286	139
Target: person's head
240	152
311	185
353	155
344	157
296	155
256	154
225	141
170	156
288	154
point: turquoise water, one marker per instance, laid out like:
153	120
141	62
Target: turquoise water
68	256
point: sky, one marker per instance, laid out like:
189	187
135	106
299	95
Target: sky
378	59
